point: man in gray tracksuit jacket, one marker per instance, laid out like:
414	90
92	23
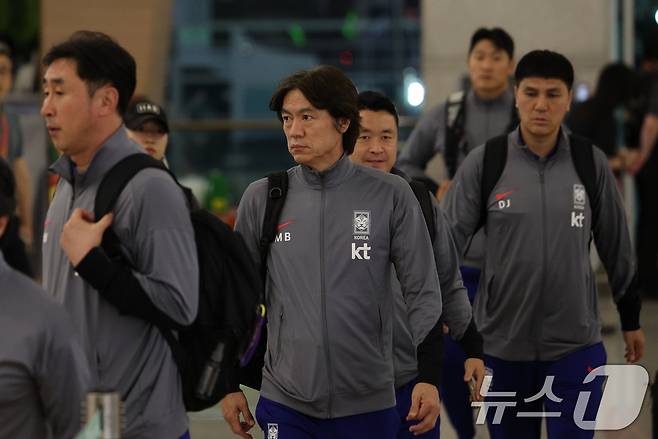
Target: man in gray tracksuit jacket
114	304
376	147
43	371
536	306
329	293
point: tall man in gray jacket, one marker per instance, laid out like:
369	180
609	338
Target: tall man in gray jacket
453	129
115	303
536	306
376	147
329	363
43	371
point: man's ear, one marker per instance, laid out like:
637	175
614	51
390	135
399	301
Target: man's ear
512	66
4	221
107	100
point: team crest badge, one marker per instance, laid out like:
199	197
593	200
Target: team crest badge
579	196
272	431
361	222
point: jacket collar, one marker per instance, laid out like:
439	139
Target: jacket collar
562	143
116	147
333	176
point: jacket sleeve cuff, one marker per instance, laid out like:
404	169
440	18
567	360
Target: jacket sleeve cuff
629	307
430	356
97	269
229	381
471	342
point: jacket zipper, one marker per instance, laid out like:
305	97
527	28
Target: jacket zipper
323	295
544	261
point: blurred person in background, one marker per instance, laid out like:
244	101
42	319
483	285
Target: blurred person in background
11	148
601	118
146	123
645	168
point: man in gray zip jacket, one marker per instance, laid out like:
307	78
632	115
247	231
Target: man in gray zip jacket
537	302
43	371
329	364
376	147
115	303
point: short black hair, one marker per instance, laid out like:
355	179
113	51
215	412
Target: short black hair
7	189
376	101
498	37
544	64
100	61
326	88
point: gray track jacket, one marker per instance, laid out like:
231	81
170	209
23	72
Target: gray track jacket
484	119
43	371
537	298
153	224
329	291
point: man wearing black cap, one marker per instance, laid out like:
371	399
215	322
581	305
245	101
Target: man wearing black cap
43	372
146	123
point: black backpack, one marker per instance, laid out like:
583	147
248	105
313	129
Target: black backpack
425	200
495	158
455	120
230	312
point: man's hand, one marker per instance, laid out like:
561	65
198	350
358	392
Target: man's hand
425	407
80	234
634	345
474	370
443	188
232	406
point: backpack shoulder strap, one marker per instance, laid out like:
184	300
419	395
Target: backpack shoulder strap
424	198
111	187
117	177
454	104
582	154
277	189
454	129
495	158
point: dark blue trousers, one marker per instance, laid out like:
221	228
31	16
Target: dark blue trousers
403	404
527	378
280	422
454	392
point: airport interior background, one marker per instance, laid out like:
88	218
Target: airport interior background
213	65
